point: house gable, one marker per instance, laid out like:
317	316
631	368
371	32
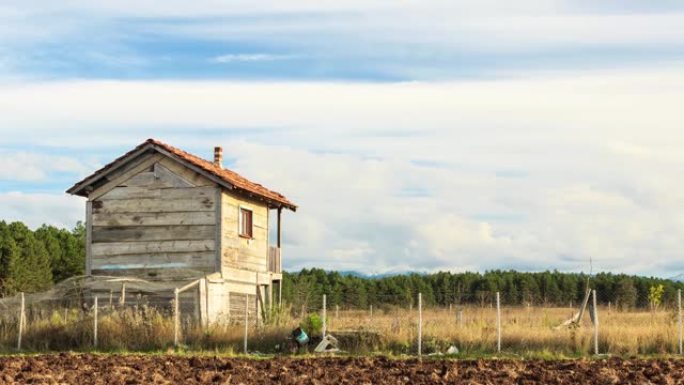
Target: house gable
228	179
156	219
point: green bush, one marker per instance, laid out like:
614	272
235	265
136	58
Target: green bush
312	324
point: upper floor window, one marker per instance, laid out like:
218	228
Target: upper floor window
246	222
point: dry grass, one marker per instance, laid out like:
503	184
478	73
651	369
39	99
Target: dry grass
524	330
391	330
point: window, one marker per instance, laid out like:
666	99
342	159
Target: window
245	223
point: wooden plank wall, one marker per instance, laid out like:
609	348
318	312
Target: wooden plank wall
237	307
162	216
218	300
238	252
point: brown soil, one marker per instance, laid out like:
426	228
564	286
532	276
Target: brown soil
132	369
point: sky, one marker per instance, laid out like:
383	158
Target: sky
414	135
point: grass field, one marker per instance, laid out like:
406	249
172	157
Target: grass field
525	332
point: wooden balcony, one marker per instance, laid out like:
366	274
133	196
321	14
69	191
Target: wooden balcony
274	263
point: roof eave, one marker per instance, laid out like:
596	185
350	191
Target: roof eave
80	187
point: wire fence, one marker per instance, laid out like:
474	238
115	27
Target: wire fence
108	313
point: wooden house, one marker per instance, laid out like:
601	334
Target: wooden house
160	213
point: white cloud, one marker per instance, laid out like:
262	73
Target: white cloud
527	173
406	39
575	106
32	166
252	57
36	209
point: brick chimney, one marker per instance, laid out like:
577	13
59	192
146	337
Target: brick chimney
218	156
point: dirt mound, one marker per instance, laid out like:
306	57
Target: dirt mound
153	369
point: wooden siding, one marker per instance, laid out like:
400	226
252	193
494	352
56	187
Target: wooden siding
158	217
155	219
274	259
154	205
153	233
238	252
237	307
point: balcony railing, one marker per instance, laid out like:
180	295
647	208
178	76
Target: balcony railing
274	264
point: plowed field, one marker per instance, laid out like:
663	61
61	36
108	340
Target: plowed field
132	369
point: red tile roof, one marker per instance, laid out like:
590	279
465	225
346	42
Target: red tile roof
228	176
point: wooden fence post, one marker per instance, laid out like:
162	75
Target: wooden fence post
22	316
679	318
95	323
122	299
596	323
324	316
420	325
498	322
176	317
585	301
246	322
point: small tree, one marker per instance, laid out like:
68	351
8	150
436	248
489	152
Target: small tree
625	293
655	296
312	324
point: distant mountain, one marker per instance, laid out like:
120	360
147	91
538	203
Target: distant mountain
355	273
678	278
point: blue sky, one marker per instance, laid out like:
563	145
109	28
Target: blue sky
415	135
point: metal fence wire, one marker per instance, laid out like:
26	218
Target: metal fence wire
110	313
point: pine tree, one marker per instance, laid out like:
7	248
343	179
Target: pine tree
9	257
625	293
30	272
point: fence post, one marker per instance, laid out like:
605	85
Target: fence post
371	312
498	322
95	323
679	318
460	317
122	300
337	312
246	322
176	316
22	315
596	323
325	325
585	301
420	325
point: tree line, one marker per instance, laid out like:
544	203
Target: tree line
33	260
548	288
